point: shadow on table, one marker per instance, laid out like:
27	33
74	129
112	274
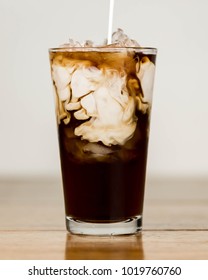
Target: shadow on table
104	248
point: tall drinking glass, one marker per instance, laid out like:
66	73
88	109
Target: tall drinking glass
103	98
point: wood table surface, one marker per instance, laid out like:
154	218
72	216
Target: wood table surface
32	224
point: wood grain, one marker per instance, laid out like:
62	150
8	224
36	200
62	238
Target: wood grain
32	223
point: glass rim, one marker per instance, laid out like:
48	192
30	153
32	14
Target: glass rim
147	50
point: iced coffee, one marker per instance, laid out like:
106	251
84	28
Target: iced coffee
103	98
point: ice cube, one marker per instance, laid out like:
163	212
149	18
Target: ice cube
88	43
119	38
97	149
71	43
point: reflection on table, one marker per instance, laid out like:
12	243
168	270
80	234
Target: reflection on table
109	248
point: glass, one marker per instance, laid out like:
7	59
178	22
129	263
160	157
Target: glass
103	99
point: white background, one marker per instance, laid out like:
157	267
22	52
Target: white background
178	28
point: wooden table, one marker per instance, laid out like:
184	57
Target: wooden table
32	223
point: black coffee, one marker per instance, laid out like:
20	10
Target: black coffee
107	188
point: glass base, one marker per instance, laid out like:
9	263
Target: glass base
129	226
